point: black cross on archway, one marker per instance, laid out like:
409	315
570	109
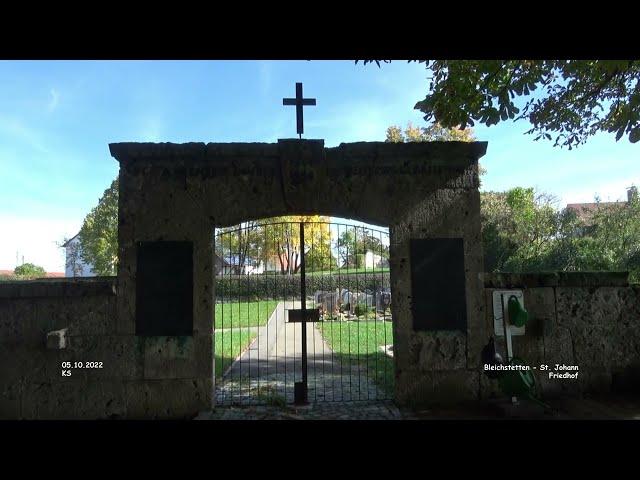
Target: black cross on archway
299	102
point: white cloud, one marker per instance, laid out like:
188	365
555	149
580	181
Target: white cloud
613	191
35	239
353	122
53	103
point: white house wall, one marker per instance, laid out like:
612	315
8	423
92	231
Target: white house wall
74	265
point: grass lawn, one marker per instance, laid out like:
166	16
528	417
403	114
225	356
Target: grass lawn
358	342
243	314
228	345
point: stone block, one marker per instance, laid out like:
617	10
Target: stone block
167	399
437	387
442	351
593	346
24	363
19	326
541	306
102	399
63	400
578	307
530	349
10	402
204	355
589	380
173	357
478	332
503	281
593	279
94	316
51	401
9	325
489	388
122	356
626	379
57	340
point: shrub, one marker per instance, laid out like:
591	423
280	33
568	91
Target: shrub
360	310
29	270
278	286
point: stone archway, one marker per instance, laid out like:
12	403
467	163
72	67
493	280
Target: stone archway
172	195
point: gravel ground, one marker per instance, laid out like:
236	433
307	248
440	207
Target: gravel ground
316	411
608	407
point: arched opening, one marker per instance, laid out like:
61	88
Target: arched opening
267	274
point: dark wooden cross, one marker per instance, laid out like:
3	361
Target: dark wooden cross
299	102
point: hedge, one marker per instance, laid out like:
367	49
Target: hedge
288	286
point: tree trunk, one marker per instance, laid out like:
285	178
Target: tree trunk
297	263
282	271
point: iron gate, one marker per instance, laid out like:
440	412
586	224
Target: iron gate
302	312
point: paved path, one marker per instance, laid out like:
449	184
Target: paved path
267	371
379	410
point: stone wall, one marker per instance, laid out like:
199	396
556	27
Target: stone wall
591	320
84	309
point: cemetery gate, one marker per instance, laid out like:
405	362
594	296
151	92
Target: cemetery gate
302	313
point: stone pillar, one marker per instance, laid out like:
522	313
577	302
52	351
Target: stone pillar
438	366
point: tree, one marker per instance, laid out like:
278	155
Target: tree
575	249
569	99
432	133
29	270
613	242
354	243
282	241
523	231
241	243
367	240
495	223
519	230
317	236
99	234
533	230
346	245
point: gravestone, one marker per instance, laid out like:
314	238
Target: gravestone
383	299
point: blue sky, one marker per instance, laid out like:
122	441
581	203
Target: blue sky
58	117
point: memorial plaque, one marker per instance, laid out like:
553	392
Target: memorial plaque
438	284
164	289
296	316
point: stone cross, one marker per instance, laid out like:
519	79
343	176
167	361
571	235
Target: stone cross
299	102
